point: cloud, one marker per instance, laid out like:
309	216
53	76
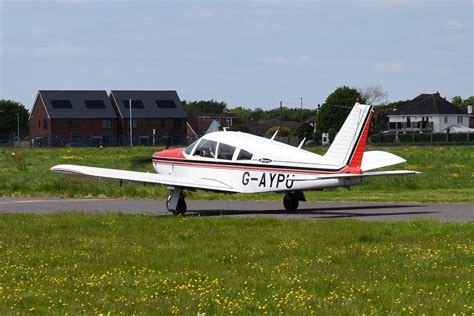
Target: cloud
455	25
388	67
60	50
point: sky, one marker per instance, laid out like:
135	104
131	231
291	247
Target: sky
246	53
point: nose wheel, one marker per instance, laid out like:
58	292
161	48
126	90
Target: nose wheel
176	203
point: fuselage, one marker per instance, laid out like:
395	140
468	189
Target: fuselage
250	164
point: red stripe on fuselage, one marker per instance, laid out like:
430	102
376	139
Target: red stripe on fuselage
237	167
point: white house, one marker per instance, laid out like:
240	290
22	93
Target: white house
427	113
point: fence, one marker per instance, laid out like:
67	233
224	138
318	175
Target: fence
105	141
421	138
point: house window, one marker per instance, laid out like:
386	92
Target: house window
445	120
91	123
69	123
61	104
134	123
94	104
162	123
165	104
106	124
228	122
460	119
45	124
136	104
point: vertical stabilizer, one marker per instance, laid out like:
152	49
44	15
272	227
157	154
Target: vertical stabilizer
349	144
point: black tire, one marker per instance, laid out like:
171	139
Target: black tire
291	202
181	207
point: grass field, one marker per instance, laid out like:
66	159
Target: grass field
447	176
83	263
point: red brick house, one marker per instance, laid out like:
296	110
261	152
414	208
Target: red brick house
73	118
200	123
159	111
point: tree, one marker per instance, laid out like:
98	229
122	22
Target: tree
8	118
239	128
375	95
335	110
468	101
457	100
304	130
284	131
204	107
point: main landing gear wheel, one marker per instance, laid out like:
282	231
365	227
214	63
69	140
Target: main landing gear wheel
176	203
291	202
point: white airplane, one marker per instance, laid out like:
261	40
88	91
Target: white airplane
235	162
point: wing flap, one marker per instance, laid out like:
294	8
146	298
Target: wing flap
145	177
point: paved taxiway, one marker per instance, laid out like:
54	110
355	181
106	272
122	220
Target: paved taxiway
307	210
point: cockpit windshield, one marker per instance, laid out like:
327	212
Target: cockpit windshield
189	149
206	148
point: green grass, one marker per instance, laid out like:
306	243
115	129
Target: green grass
84	263
447	176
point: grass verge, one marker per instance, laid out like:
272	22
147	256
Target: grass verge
447	176
83	263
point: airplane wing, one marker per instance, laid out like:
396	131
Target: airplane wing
134	176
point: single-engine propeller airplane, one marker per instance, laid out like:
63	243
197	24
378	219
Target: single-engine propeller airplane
235	162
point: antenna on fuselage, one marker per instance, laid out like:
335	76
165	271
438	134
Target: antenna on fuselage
301	144
274	135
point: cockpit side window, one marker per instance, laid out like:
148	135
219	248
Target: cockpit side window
206	148
244	155
189	149
225	151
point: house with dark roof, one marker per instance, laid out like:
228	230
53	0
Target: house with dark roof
427	113
206	122
157	117
75	118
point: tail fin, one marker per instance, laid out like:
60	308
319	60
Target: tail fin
349	144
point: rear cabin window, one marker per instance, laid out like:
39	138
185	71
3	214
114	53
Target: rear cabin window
189	149
244	155
225	151
206	148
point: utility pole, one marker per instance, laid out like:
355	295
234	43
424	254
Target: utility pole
130	108
301	110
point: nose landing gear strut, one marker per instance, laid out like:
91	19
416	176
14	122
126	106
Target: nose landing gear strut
175	202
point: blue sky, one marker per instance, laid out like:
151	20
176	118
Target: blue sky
246	53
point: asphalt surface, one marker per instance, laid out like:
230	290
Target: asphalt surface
307	210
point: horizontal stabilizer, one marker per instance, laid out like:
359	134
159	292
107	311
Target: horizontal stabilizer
379	159
134	176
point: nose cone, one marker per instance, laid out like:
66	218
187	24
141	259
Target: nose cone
170	153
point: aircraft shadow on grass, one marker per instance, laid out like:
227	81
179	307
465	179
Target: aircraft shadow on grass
322	212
